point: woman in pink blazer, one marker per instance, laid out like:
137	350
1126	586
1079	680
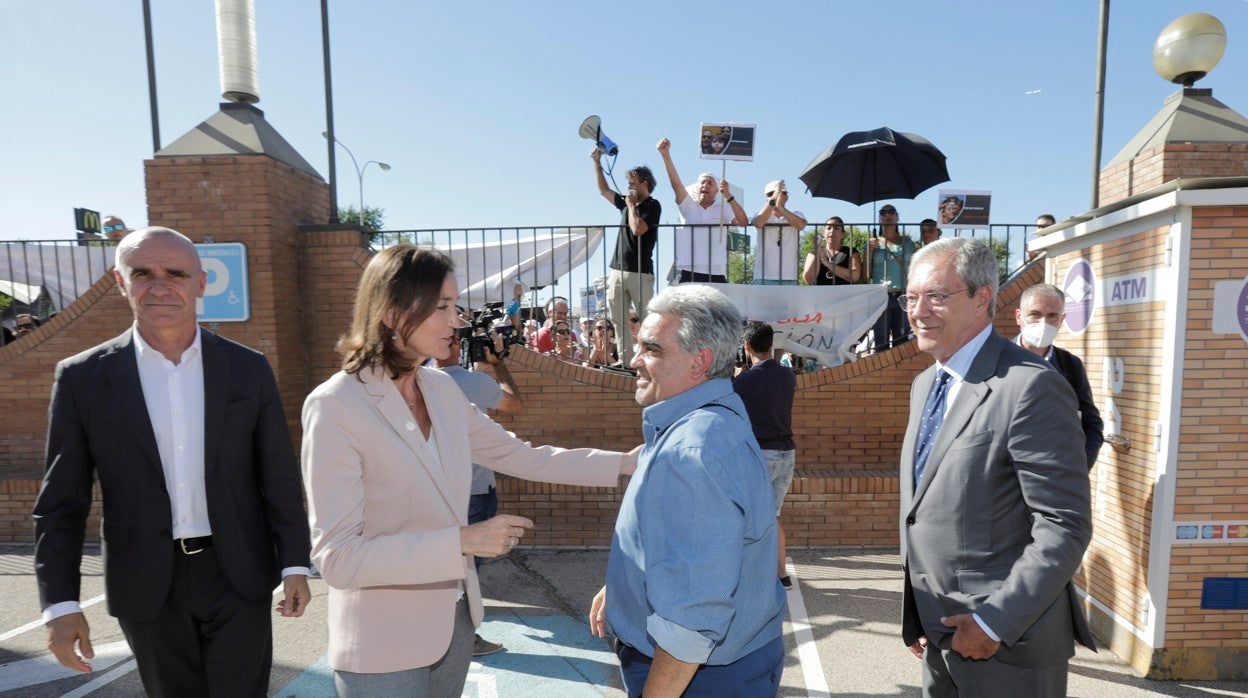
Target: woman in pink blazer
387	454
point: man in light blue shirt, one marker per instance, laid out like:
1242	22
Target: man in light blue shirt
695	604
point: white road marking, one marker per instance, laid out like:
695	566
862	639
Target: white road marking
39	623
807	651
102	681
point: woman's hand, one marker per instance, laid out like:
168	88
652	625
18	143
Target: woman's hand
493	537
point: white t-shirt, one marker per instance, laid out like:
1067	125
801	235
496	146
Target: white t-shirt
775	258
701	244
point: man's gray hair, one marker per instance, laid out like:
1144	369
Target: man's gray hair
121	258
708	320
1044	291
974	263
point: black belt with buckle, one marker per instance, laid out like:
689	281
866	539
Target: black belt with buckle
192	546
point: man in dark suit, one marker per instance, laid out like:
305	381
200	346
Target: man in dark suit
1039	315
995	509
203	510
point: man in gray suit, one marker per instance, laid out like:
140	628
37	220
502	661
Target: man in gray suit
995	512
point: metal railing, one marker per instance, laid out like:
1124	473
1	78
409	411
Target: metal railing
586	279
549	260
44	276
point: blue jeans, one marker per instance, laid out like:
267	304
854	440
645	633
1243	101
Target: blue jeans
480	508
757	674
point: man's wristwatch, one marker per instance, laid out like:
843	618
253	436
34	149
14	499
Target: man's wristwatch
732	199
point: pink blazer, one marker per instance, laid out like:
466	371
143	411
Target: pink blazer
385	510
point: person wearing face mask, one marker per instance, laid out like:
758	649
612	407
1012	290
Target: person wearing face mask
1039	314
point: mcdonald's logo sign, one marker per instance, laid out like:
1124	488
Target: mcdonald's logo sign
86	220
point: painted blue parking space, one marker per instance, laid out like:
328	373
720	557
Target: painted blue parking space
545	655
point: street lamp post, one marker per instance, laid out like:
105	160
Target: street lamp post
359	171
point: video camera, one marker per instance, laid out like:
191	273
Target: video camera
478	338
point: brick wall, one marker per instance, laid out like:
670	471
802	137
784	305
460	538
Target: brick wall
849	421
1212	475
1165	163
260	202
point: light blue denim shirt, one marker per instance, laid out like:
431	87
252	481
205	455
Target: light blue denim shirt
693	558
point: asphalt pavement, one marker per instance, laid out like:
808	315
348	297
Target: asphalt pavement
842	637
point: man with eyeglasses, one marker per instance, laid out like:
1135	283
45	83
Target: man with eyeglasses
775	259
115	228
1043	221
995	507
701	242
25	324
631	279
890	254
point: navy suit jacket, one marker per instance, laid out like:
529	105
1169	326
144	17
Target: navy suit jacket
99	427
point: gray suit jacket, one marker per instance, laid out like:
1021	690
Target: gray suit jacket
99	429
1002	517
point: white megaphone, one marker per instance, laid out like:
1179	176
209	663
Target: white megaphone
591	129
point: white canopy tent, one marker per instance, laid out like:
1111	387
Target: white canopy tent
66	271
488	270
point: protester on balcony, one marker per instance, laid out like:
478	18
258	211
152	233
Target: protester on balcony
602	352
780	231
556	309
566	348
890	259
701	243
585	340
929	232
24	324
1043	221
115	228
530	334
388	447
834	263
184	434
631	279
691	592
1040	314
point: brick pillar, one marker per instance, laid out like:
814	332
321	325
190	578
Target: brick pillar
259	202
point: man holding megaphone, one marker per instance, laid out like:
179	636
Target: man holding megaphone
632	267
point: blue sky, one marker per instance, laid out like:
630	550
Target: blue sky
476	104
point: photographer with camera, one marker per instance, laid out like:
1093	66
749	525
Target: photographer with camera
486	393
779	230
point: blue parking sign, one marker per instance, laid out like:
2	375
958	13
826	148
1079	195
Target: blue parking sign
226	296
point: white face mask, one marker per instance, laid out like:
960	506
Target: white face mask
1039	334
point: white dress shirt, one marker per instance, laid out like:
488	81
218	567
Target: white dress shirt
174	395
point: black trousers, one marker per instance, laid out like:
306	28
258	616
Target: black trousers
207	640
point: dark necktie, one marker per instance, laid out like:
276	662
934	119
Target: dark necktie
933	415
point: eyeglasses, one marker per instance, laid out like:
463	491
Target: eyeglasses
888	212
601	328
934	300
114	228
563	331
26	326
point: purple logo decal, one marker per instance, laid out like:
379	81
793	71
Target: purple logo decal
1080	290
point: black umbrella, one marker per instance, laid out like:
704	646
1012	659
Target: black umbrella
867	166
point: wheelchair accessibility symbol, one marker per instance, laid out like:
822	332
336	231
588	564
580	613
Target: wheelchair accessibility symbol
226	296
